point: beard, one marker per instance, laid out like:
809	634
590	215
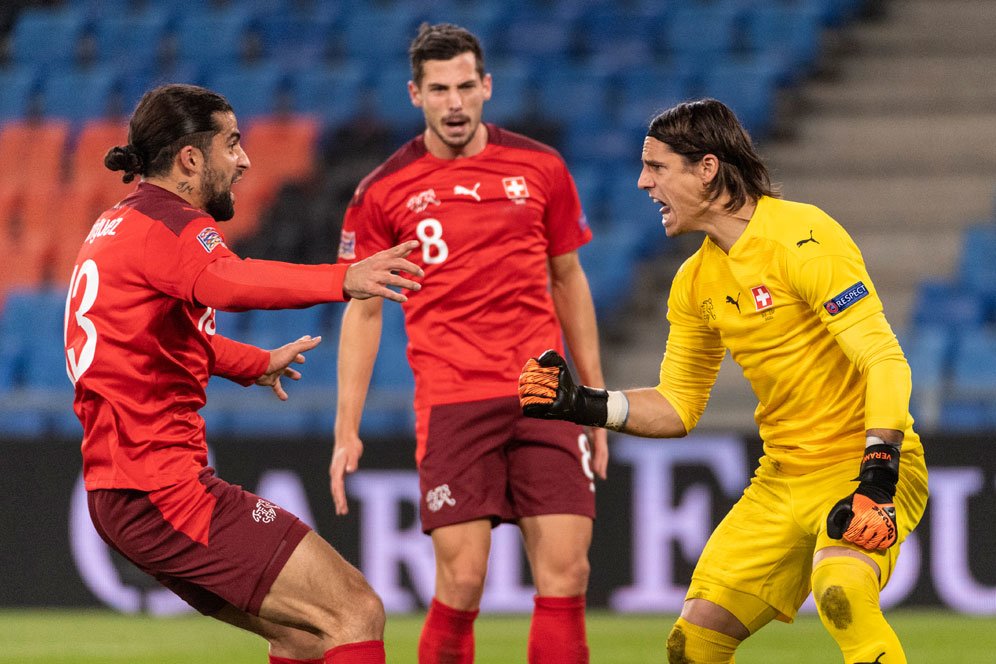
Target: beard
218	201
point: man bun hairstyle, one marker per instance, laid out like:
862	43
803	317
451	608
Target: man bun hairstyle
694	129
166	119
443	41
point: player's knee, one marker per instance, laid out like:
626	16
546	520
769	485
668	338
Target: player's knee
362	616
565	578
461	585
692	644
843	587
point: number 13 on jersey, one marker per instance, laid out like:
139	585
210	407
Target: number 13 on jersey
86	273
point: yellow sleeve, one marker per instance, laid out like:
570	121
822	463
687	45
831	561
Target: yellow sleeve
691	360
872	348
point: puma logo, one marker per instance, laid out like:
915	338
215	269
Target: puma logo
809	239
460	190
877	660
735	302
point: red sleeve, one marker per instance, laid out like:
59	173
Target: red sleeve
233	284
237	361
364	231
566	226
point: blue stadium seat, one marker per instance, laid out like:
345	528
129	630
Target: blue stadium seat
206	39
749	87
272	329
47	36
977	267
701	35
575	94
943	303
974	369
970	401
131	40
252	90
622	38
652	89
511	84
609	263
391	102
538	35
790	33
380	34
590	182
334	94
34	365
631	207
78	95
928	350
297	34
18	83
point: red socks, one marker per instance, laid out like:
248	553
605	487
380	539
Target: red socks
286	660
556	635
361	652
447	636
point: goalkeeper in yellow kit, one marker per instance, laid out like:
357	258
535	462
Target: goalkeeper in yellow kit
842	481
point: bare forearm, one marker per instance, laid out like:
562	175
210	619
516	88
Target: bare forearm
358	344
651	415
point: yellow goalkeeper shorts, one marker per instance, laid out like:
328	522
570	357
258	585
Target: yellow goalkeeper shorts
764	547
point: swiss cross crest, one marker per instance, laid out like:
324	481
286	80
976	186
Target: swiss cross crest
515	188
762	298
265	512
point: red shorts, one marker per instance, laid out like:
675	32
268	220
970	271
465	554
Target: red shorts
484	459
210	542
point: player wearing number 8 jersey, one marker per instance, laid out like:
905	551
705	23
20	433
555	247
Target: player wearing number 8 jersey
141	345
499	222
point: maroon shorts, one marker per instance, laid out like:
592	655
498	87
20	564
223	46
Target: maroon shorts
210	542
484	459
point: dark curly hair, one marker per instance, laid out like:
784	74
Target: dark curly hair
166	119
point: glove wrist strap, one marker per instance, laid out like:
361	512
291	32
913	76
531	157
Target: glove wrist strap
880	466
617	410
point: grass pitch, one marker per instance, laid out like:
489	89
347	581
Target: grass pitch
101	637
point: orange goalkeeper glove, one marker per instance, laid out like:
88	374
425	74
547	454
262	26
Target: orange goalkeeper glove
547	391
868	516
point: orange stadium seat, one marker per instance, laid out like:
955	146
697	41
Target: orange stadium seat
90	189
33	151
34	154
280	150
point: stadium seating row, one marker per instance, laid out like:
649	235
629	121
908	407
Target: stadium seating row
46	210
311	58
598	68
952	348
36	394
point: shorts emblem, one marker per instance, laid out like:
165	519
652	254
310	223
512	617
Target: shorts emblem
436	498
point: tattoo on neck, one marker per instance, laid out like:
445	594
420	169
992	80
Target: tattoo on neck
184	187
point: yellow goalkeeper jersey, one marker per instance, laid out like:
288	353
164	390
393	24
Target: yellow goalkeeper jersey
794	305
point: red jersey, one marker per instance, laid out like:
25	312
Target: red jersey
487	226
140	348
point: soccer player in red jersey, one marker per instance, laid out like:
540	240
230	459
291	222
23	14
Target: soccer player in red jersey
141	345
499	222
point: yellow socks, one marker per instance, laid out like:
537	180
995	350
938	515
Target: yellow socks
846	593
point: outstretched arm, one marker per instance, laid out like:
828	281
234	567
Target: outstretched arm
548	391
234	284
